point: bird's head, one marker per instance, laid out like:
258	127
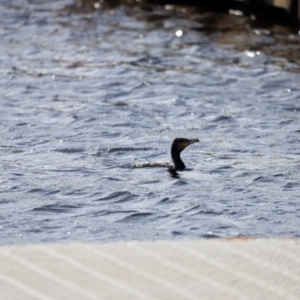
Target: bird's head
180	144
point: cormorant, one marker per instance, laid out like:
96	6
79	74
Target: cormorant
178	145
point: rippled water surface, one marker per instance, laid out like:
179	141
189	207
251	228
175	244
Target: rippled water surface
87	93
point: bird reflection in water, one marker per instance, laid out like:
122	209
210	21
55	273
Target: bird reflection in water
173	173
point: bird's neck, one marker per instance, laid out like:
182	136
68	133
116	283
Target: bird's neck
179	165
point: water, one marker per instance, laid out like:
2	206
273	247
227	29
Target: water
87	93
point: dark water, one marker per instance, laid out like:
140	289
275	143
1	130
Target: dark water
87	93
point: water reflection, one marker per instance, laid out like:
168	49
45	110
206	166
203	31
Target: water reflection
229	28
173	173
179	33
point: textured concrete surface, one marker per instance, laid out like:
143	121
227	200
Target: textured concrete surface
202	269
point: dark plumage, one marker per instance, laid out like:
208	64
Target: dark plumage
178	145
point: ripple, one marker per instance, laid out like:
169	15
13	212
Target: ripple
180	183
136	217
242	174
291	185
198	208
176	232
222	119
69	150
210	212
127	149
166	200
55	208
118	197
210	235
263	179
221	169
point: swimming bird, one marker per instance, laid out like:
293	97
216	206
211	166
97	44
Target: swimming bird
178	145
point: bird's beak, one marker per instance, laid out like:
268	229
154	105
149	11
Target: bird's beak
192	142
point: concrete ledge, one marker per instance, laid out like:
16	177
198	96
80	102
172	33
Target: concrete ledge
202	269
